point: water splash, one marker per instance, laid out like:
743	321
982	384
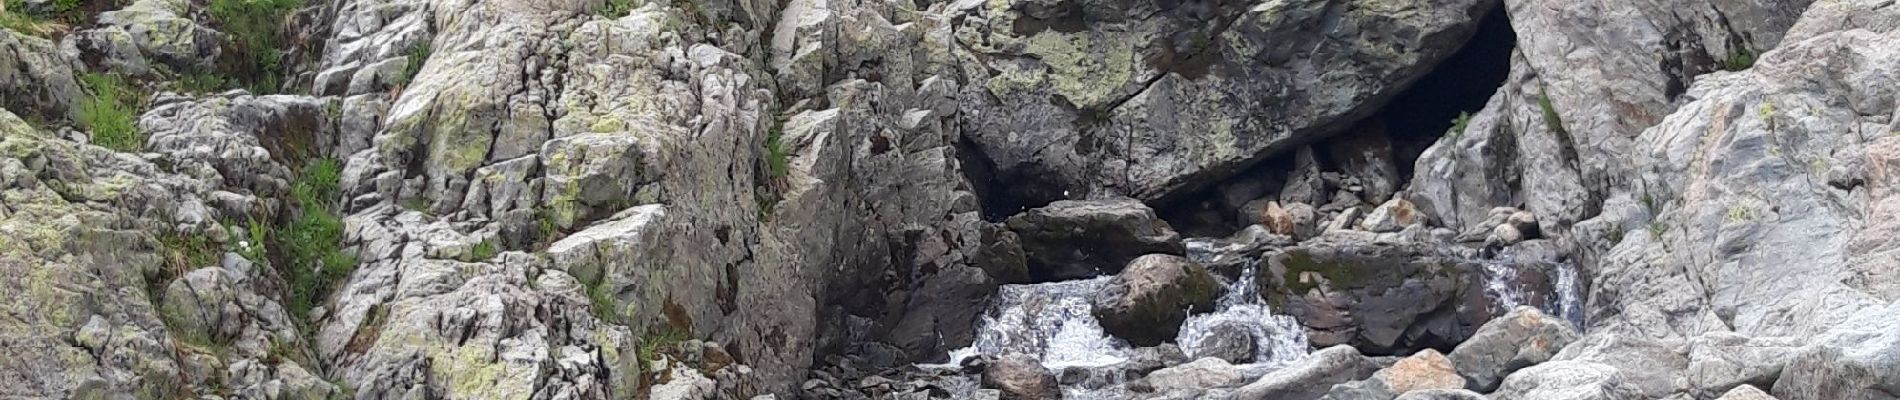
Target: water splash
1502	285
1278	339
1052	321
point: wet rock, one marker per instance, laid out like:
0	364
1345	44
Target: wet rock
1205	373
1143	360
1229	342
1311	377
1021	377
1522	338
1383	298
1146	303
1080	239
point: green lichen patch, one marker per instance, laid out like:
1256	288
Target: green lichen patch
1336	273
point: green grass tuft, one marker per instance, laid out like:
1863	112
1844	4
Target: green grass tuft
311	241
418	54
482	251
1458	124
202	82
1741	60
256	39
110	111
1551	119
615	9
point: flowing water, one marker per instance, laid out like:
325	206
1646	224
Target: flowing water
1053	322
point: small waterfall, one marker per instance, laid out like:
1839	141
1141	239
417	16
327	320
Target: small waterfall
1504	285
1049	320
1278	339
1055	323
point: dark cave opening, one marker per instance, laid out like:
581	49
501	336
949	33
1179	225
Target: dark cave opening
1459	85
1411	122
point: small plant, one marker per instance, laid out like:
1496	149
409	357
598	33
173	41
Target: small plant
615	9
1739	213
1551	119
202	82
1742	59
602	302
313	259
256	39
482	251
1656	229
1458	124
110	112
417	55
778	162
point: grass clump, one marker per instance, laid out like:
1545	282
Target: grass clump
602	302
1742	59
482	251
615	8
1458	124
310	242
418	54
1551	119
255	39
110	111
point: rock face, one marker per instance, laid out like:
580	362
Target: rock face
1176	97
734	198
1081	239
1147	302
36	79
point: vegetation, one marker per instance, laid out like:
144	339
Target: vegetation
1551	119
1740	60
255	29
778	167
615	8
602	302
110	112
202	82
1458	124
309	244
482	251
418	54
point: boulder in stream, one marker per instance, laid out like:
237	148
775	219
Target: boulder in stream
1147	302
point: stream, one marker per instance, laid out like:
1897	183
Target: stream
1053	322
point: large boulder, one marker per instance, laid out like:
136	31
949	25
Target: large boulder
1228	341
1205	373
1568	380
1147	302
1151	100
1427	370
36	79
1385	297
1080	239
1311	377
1021	377
1522	338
